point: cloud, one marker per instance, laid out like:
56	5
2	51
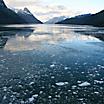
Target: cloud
21	3
42	10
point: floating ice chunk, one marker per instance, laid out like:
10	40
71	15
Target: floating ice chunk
31	99
10	103
4	97
84	84
99	82
76	63
5	88
74	93
61	83
78	81
82	72
52	66
73	87
66	68
35	96
52	77
69	90
101	66
40	92
96	92
81	99
85	63
22	102
31	83
49	97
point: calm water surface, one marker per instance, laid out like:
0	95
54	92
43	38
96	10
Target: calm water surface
51	64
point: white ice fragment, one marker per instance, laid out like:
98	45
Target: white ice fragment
66	68
35	96
31	99
5	88
22	102
100	66
99	82
58	96
76	63
78	81
20	86
73	87
49	97
69	90
82	72
52	66
96	92
61	83
85	63
41	92
74	93
52	77
81	99
23	68
4	97
84	84
31	83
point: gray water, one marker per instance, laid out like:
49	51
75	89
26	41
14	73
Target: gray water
51	64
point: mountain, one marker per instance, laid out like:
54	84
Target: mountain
27	16
93	19
2	4
78	20
55	20
8	16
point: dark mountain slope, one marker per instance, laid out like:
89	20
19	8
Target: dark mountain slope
8	16
28	16
94	19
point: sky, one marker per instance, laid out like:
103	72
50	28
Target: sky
47	9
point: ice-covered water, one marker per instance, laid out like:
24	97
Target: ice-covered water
51	64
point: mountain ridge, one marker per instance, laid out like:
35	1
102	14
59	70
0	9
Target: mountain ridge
8	16
55	19
96	19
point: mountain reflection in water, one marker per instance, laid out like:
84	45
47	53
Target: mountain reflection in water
30	38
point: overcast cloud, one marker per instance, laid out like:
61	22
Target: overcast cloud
46	9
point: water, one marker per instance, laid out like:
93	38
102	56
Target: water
51	64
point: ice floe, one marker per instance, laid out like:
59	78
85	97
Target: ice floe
35	96
52	66
73	87
31	83
84	84
98	82
65	68
61	83
100	66
31	99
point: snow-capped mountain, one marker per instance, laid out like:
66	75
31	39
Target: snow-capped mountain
96	19
55	20
27	16
9	16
